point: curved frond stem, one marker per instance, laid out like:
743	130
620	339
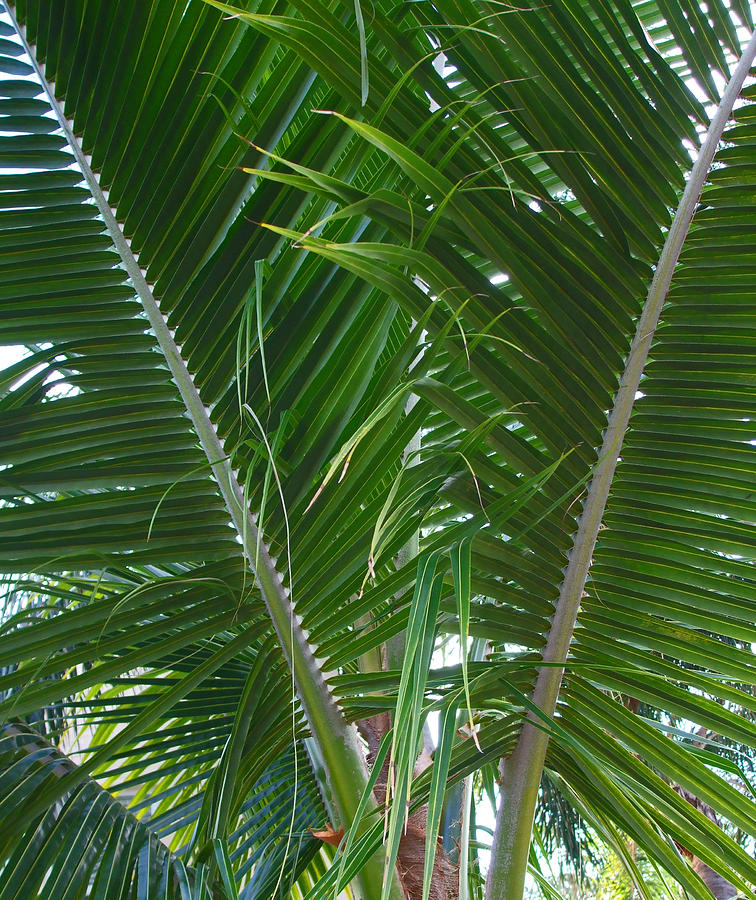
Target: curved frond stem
336	739
521	773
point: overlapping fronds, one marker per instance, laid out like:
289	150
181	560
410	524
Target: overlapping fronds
474	225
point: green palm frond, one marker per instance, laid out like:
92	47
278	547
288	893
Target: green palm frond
288	260
86	842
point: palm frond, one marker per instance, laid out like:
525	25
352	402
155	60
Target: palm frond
488	255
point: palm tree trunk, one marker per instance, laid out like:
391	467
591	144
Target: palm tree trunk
716	883
719	886
411	857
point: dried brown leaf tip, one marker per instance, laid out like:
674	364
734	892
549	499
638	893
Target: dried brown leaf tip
328	835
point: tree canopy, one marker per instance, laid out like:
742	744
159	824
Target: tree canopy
348	332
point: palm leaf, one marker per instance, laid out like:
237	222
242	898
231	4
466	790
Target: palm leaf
552	165
87	838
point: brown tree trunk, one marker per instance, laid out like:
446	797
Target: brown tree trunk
716	883
411	857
